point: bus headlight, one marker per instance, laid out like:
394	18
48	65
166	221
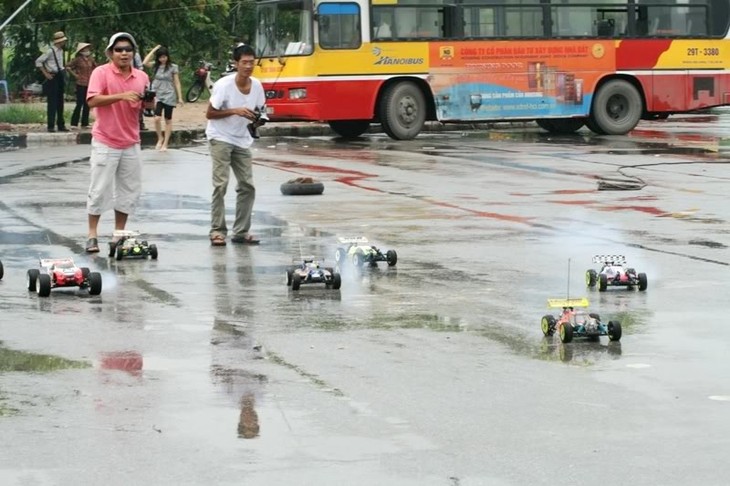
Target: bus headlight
297	93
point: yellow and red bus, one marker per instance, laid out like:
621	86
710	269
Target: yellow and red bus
564	63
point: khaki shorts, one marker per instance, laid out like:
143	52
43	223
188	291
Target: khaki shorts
116	178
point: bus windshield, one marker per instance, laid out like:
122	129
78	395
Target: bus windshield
283	28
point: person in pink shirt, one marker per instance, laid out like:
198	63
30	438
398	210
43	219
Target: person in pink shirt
115	93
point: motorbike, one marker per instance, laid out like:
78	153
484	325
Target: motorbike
203	80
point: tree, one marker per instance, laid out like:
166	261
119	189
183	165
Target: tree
192	29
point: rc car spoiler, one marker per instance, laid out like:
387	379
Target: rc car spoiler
353	239
559	303
125	234
610	259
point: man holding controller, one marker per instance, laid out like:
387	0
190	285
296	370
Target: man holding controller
116	91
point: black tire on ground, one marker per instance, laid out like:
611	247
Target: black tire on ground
591	124
336	281
289	273
602	282
296	281
561	125
340	256
120	252
193	93
547	324
32	279
391	257
2	270
546	124
591	277
94	283
349	128
614	331
402	111
643	282
358	259
617	107
153	251
302	189
43	285
112	249
566	332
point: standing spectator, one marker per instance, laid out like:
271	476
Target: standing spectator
80	68
232	108
137	63
51	65
115	92
166	85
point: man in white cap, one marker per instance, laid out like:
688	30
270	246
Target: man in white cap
115	92
51	65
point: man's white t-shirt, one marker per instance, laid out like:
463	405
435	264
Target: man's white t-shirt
226	95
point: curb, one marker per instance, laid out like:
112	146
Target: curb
188	136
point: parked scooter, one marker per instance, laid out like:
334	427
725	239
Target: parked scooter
204	80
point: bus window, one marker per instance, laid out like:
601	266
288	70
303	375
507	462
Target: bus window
283	29
595	21
423	22
382	23
339	25
664	19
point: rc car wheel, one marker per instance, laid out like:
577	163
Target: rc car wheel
2	270
289	273
296	281
614	330
340	255
43	285
591	277
643	282
112	249
94	283
120	252
153	251
548	325
32	279
602	282
566	332
358	258
336	281
391	257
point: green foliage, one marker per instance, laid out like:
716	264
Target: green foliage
191	29
21	114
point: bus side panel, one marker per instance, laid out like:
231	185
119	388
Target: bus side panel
686	74
492	80
347	99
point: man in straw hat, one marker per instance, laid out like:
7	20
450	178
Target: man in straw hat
51	65
116	90
80	67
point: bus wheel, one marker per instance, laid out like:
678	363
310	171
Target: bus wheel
593	127
349	128
561	125
617	107
403	111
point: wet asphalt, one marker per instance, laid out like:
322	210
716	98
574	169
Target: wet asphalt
204	368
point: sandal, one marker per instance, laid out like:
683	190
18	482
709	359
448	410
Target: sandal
245	240
92	245
218	240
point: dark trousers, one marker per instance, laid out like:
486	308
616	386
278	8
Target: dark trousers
82	107
55	87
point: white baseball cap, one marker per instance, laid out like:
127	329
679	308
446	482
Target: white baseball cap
121	35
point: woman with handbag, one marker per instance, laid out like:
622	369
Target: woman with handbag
166	85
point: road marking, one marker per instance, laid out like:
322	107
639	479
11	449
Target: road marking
720	398
638	365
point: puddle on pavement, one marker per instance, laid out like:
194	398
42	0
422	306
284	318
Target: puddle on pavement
12	360
27	362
